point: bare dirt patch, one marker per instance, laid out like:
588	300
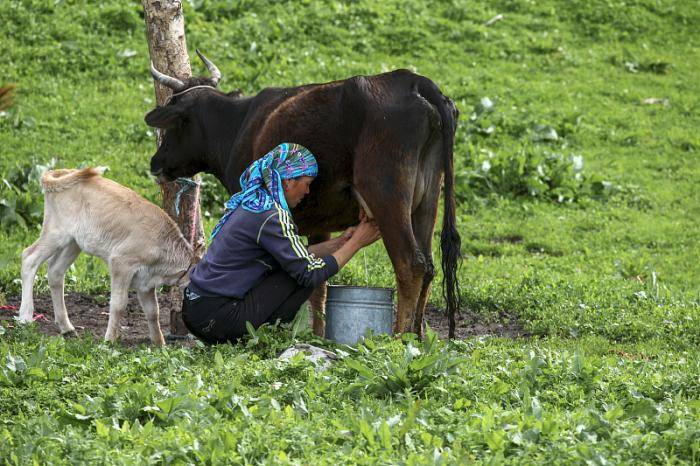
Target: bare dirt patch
469	324
89	314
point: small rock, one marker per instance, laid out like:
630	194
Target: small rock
320	357
493	20
655	101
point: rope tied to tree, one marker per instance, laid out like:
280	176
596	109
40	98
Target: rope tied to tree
187	184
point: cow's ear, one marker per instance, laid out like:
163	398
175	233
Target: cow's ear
164	117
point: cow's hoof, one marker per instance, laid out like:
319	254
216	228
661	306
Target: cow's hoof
70	334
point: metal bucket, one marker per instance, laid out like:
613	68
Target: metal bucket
352	310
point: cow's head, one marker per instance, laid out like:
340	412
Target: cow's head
183	146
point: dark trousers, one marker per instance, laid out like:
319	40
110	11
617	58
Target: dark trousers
222	319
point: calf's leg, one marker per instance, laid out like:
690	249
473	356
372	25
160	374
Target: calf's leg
149	304
58	264
32	258
120	277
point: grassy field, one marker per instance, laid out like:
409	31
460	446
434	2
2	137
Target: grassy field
577	166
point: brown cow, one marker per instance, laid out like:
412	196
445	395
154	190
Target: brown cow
384	142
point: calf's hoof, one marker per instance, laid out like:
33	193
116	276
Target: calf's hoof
70	334
23	319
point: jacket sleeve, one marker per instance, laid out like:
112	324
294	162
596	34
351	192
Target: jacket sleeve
278	236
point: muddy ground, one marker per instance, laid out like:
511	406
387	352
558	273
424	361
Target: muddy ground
90	314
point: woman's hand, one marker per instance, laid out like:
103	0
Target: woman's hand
366	233
347	234
364	217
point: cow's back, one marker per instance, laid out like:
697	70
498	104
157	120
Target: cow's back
333	120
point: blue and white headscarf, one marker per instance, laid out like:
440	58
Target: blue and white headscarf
261	182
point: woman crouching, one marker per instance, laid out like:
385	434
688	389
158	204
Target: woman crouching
257	269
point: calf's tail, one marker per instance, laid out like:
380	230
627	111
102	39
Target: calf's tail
54	181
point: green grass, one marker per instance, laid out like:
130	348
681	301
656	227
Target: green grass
601	267
507	401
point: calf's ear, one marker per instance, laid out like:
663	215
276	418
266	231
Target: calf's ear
164	117
199	250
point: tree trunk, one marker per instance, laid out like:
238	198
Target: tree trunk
165	32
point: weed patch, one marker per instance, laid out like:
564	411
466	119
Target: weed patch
578	197
20	201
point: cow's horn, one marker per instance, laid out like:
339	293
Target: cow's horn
173	83
215	73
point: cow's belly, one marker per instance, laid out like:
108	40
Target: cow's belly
326	212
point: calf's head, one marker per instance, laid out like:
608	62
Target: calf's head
181	277
183	146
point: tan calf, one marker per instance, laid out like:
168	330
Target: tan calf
141	245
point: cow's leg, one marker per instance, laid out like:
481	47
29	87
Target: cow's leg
120	278
317	300
32	258
390	202
149	304
410	268
58	264
423	219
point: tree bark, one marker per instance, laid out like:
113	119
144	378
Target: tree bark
165	32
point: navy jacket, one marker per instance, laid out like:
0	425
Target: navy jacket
250	246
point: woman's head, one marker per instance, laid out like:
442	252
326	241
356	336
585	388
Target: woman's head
287	172
282	177
295	189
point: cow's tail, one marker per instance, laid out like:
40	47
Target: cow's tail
54	181
450	241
